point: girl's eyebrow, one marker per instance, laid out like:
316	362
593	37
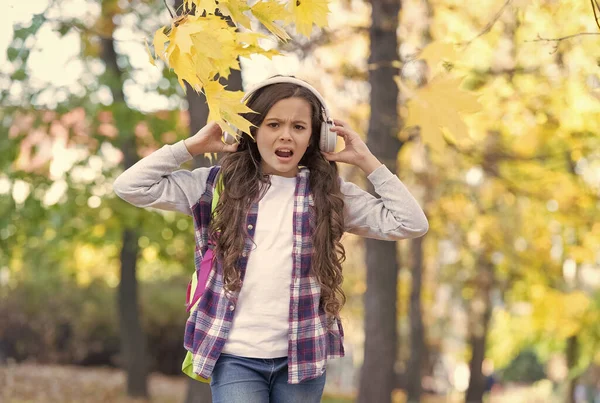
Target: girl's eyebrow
283	120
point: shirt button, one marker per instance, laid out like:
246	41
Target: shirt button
231	307
250	226
244	254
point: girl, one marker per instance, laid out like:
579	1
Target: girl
269	316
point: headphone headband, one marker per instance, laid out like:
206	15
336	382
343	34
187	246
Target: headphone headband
290	80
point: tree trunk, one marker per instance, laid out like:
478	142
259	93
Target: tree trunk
572	353
377	380
133	342
417	329
479	321
418	345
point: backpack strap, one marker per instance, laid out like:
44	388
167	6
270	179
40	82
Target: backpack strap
217	187
211	181
215	184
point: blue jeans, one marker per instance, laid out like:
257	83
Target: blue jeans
257	380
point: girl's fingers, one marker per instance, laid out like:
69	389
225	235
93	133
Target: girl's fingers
338	122
339	129
329	156
229	148
343	132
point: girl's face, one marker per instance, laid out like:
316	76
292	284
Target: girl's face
283	136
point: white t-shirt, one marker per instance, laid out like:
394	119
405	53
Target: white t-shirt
261	319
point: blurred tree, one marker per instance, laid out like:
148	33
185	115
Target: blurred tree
418	350
377	373
133	339
525	367
523	172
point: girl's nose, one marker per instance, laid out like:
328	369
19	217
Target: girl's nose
285	133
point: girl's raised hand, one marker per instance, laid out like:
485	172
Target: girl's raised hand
355	150
209	139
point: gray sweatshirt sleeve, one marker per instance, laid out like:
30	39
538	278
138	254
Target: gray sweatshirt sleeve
154	181
396	215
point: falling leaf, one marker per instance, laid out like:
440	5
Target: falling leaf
436	52
437	106
307	12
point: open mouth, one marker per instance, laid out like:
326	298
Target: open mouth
284	153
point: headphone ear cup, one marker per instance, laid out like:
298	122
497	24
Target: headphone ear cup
328	139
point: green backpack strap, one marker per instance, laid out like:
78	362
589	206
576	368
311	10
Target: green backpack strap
216	192
187	367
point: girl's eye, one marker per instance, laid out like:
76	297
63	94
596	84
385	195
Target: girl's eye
275	124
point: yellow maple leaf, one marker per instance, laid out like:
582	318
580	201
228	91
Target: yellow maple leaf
159	43
235	9
225	107
151	58
247	51
247	44
215	49
267	12
439	105
183	65
436	52
199	48
250	38
181	35
307	12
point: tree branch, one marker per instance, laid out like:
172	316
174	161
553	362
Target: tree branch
509	71
596	6
564	38
490	24
539	38
169	9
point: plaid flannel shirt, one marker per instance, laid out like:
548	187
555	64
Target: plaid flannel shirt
309	341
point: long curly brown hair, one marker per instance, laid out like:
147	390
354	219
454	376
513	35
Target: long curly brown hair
244	183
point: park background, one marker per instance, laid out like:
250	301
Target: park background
488	111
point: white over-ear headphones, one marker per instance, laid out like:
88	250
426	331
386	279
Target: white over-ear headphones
327	139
